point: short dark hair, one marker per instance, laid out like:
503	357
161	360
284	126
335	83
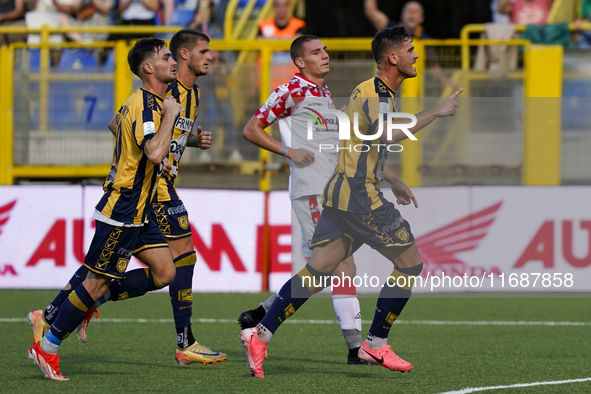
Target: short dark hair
297	46
387	38
141	50
185	38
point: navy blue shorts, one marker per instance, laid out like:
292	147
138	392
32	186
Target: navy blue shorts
382	227
112	247
172	219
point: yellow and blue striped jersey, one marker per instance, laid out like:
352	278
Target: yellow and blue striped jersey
188	98
354	186
129	188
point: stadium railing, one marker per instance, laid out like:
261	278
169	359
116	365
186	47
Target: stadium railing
36	140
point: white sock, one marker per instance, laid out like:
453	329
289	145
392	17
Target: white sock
48	347
349	314
375	342
264	334
268	302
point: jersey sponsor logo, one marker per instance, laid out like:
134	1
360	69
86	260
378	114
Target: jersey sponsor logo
393	226
177	210
384	107
125	252
271	99
122	265
177	147
184	124
149	128
184	222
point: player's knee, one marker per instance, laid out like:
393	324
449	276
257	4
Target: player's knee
166	276
347	266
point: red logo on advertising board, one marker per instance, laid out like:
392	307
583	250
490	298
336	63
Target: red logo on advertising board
6	269
439	247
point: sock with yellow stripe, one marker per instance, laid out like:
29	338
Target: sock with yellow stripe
71	314
391	302
136	283
292	296
53	309
181	297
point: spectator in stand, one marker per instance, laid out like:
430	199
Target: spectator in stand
12	13
412	17
583	37
85	13
282	25
178	12
204	21
138	13
497	17
526	12
219	113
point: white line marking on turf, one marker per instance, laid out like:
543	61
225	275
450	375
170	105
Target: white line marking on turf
552	383
296	321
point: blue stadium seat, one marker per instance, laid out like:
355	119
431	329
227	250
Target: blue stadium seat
243	3
80	105
575	104
77	60
35	60
110	61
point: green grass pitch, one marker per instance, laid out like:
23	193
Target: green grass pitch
308	358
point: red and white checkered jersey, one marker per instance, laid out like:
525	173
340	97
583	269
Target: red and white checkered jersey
297	105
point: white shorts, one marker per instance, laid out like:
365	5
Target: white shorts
308	211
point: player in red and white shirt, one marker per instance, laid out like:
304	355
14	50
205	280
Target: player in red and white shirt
298	108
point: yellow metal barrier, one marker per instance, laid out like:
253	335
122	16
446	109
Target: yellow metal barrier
123	86
6	108
541	134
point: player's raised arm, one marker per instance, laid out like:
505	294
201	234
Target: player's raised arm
255	133
447	107
377	17
157	147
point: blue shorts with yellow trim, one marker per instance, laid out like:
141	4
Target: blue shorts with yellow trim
112	247
172	218
382	227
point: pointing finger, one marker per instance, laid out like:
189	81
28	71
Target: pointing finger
457	93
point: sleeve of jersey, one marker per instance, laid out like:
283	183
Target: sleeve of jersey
278	105
146	125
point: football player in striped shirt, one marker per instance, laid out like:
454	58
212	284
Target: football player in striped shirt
191	48
143	138
356	213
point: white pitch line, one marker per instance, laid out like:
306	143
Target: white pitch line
552	383
320	322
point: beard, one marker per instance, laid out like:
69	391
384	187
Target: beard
194	68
